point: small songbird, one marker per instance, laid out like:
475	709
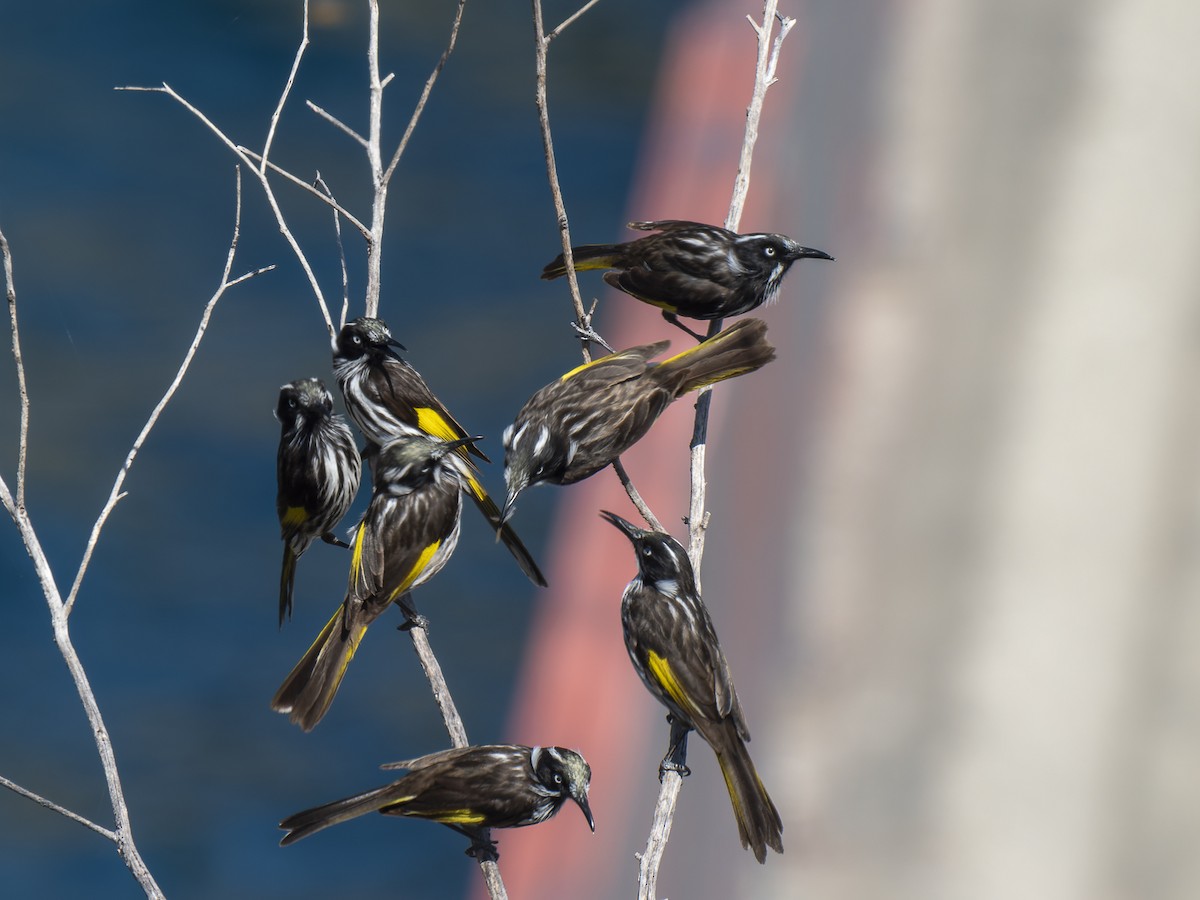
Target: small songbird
387	397
469	789
405	538
318	470
691	269
582	421
673	646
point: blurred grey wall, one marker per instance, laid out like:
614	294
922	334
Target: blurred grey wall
994	569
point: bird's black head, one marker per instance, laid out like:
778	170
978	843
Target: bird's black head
366	337
533	453
411	460
306	399
661	559
565	773
764	252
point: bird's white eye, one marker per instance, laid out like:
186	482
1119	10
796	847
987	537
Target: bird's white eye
356	339
646	551
292	404
769	251
557	778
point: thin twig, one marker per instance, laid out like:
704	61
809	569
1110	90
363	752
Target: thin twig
336	122
287	90
635	496
61	810
542	46
337	231
10	290
280	219
425	92
327	199
115	495
555	32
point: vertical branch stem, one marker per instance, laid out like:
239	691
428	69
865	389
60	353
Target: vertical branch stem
764	77
375	158
542	44
10	290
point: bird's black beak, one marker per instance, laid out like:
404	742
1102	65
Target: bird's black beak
462	442
809	252
392	342
582	799
631	531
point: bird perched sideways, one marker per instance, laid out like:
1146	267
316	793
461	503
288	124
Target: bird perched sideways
405	538
318	471
387	397
469	789
582	421
674	648
691	269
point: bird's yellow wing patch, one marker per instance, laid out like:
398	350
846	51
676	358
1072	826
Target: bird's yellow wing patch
431	421
660	669
418	567
356	557
457	817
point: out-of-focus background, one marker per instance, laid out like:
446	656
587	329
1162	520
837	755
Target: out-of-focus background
953	553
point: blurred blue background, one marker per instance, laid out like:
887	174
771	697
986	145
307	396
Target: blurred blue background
119	208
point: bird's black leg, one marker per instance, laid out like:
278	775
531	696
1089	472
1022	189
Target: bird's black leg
412	618
676	758
674	320
330	538
482	848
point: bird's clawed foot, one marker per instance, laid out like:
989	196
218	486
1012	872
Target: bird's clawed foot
587	334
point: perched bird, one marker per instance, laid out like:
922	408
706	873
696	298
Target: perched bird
318	470
408	533
469	789
581	422
691	269
386	397
674	648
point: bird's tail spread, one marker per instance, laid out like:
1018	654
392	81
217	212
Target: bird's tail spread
740	348
287	582
759	825
310	821
587	256
309	689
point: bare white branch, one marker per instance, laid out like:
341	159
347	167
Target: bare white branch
287	90
61	810
337	230
115	494
336	122
123	836
10	291
555	32
425	92
325	198
280	219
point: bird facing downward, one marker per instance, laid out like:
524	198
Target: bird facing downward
582	421
469	789
691	269
317	470
674	649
